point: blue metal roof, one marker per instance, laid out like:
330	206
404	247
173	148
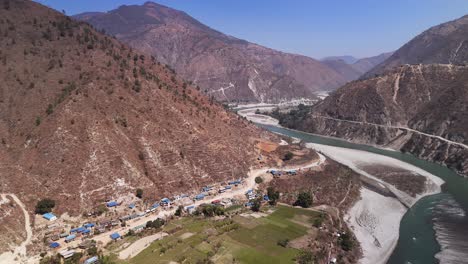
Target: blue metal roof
91	260
165	200
49	216
86	231
156	205
112	204
88	225
70	237
115	236
54	245
131	206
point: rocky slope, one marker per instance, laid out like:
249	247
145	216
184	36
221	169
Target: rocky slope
84	118
353	69
443	44
226	67
419	109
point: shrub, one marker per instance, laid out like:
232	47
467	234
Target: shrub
306	257
258	180
346	242
139	193
304	199
38	121
178	212
288	156
283	242
50	109
45	206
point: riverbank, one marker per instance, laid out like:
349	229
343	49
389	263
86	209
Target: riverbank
375	219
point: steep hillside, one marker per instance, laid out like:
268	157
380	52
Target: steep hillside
445	44
353	69
420	109
226	67
84	118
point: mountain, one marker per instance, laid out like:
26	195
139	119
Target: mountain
354	70
444	44
226	67
420	109
84	118
346	59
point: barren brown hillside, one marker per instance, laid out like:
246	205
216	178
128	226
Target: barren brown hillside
84	118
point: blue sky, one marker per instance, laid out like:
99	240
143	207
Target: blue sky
315	28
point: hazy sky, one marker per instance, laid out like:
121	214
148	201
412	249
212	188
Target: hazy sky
315	28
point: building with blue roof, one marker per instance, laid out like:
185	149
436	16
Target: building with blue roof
70	238
92	260
50	216
131	206
200	196
86	232
112	204
115	236
165	201
89	225
54	245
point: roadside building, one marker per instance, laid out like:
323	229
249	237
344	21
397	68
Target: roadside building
92	260
67	253
54	245
49	216
70	238
112	204
115	236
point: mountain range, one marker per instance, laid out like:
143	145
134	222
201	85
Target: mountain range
415	101
85	118
228	68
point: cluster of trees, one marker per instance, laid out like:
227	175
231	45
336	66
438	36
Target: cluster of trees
293	118
304	200
45	206
211	210
179	210
155	224
288	156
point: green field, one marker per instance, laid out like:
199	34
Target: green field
237	240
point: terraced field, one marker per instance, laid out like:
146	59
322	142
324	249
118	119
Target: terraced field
242	239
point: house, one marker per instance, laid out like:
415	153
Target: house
131	206
190	209
67	253
54	245
215	202
49	216
87	244
92	260
70	238
165	201
139	228
115	236
200	196
89	225
266	198
112	204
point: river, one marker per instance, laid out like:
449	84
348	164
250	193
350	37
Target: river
435	229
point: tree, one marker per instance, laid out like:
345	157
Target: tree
256	205
258	180
273	195
45	206
178	212
288	156
346	242
304	199
139	193
50	109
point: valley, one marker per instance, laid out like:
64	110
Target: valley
142	134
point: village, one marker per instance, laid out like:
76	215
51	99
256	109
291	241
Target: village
130	215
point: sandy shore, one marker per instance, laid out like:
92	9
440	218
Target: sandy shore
375	219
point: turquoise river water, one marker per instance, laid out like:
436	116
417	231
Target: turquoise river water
435	229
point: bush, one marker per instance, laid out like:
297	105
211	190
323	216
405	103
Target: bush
304	200
288	156
155	224
38	121
139	193
258	180
283	242
178	212
101	209
45	206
